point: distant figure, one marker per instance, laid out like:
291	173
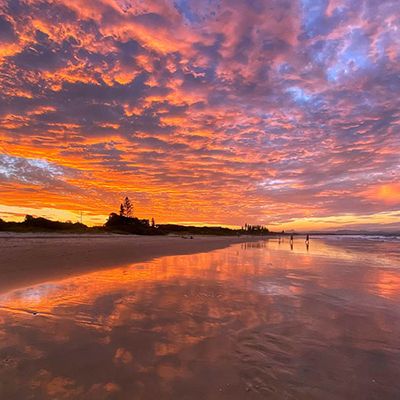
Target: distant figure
279	240
307	242
291	238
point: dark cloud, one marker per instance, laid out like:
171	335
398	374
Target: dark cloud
7	33
44	54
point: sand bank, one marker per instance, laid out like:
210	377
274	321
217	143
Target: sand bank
29	259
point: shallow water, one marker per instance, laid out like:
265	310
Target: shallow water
253	321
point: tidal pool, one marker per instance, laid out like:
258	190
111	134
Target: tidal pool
257	320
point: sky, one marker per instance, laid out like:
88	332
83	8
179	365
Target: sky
279	112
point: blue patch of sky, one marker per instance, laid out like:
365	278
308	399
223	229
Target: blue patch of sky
354	58
310	102
298	94
195	12
313	15
322	51
315	20
284	68
184	7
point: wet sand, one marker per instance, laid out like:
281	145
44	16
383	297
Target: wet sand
26	259
257	320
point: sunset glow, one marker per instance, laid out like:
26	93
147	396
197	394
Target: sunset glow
282	113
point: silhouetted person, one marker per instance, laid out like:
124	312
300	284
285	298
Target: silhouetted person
307	239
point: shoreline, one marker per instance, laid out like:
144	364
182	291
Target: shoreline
28	260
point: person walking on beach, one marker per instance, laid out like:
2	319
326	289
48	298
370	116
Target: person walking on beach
307	239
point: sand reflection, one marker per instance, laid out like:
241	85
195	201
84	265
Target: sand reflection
250	321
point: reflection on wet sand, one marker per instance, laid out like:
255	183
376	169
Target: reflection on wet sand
253	321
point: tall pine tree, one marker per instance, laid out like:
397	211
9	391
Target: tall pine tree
128	207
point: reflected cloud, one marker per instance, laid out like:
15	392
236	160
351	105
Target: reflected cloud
239	319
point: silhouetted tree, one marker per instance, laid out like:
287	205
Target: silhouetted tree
29	219
153	224
128	208
121	210
133	225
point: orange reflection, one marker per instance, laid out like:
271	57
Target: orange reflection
242	319
387	284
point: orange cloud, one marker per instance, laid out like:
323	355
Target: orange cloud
387	193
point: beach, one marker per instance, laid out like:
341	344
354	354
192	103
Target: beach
199	200
32	258
207	318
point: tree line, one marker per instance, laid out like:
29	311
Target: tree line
125	222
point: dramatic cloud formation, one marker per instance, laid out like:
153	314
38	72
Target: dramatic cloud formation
283	112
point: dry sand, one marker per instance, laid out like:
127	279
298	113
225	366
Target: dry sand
26	259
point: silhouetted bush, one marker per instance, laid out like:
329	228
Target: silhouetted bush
197	230
121	224
32	224
47	224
